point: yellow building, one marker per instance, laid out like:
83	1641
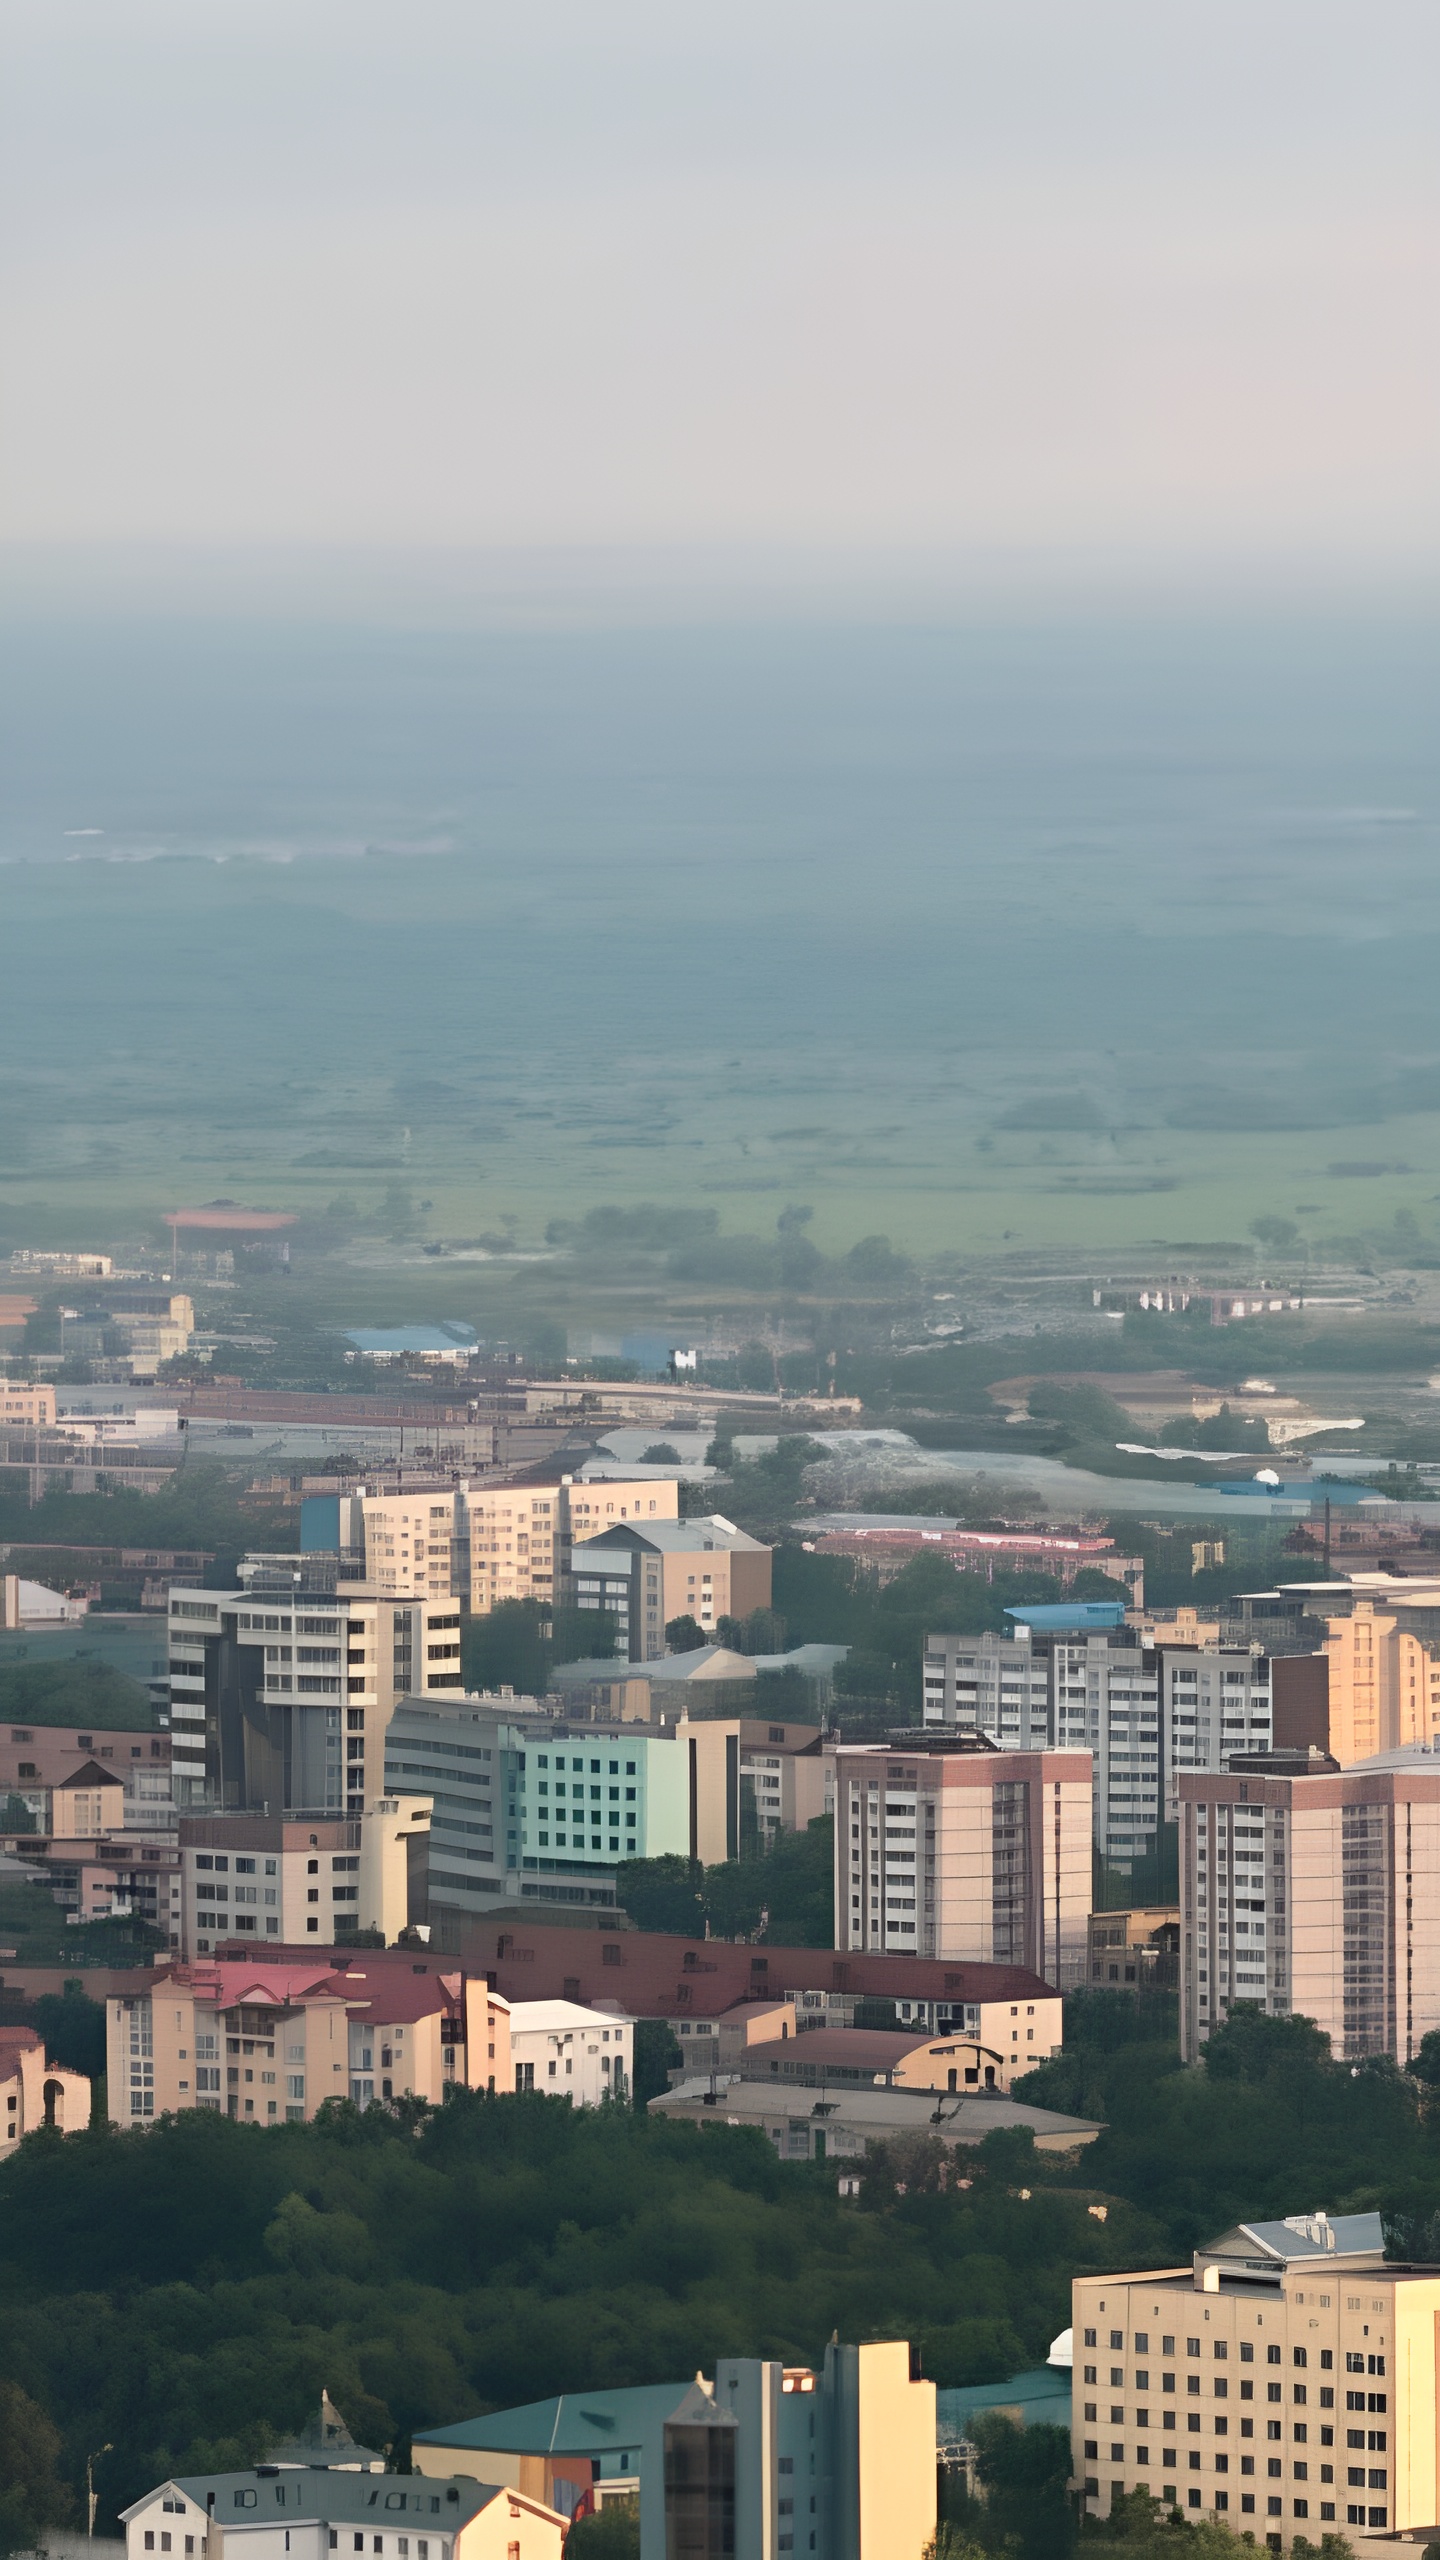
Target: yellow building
269	2041
1284	2383
35	2092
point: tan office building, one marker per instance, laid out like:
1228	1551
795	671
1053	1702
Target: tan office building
26	1406
1317	1897
964	1852
647	1573
1284	2395
248	1875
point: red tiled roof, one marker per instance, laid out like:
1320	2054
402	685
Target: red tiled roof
386	1988
653	1976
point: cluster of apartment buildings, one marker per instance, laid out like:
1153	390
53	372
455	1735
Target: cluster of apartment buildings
1294	1740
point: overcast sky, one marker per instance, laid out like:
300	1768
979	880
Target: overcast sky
1033	277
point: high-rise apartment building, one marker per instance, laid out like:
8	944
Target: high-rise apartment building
964	1851
279	1699
1314	1895
1080	1679
488	1543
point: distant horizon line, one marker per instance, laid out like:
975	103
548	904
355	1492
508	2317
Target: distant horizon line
592	584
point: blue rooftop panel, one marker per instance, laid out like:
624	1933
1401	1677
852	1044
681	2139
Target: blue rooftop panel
1060	1615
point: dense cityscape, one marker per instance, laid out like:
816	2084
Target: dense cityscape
916	1863
719	1280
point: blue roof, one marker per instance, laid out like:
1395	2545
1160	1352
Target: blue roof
1072	1613
583	2422
1038	2399
411	1337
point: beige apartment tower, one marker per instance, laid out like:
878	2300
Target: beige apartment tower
1317	1896
964	1852
488	1543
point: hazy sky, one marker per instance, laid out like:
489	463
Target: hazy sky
1154	277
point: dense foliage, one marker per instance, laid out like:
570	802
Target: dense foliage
1269	2126
786	1895
185	2292
205	1504
93	1696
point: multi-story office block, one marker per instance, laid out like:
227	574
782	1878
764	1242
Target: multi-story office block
261	1876
645	1576
1286	2385
527	1808
279	1700
966	1852
1317	1895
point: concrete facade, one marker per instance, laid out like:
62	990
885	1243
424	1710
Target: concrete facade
270	2042
764	2460
566	2051
645	1576
266	1876
1284	2401
279	2512
1315	1896
279	1701
34	2092
966	1853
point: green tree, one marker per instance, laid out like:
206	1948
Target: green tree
583	1635
1251	2046
684	1635
662	1894
32	2493
612	2534
507	1649
657	2054
1281	1233
73	2026
1024	2472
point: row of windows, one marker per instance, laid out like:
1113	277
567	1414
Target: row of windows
1356	2361
1357	2475
1374	2517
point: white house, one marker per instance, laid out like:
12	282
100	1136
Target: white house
572	2052
275	2513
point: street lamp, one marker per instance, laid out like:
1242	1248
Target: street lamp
91	2500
